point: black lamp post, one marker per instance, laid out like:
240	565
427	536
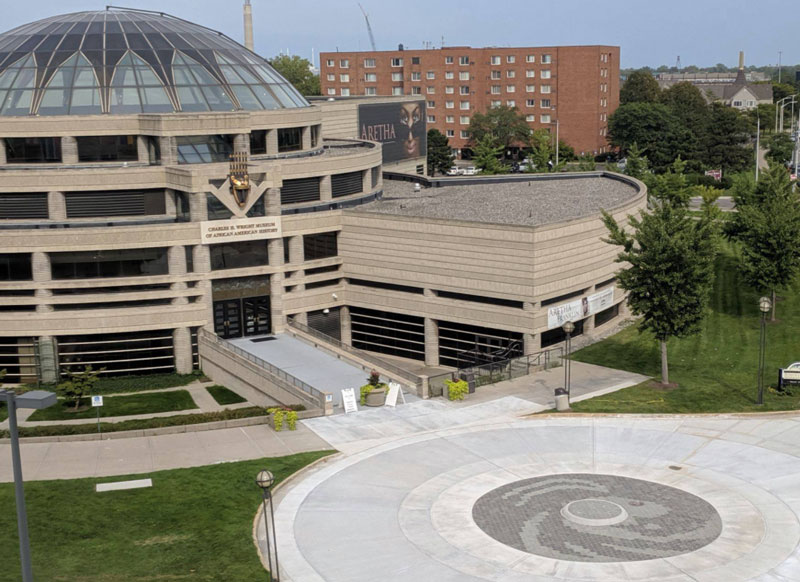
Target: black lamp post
568	328
265	479
36	399
764	305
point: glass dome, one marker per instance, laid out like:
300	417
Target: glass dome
128	61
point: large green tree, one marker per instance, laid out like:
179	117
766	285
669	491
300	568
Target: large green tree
297	71
506	126
654	128
727	143
670	258
487	156
690	108
440	154
780	147
766	225
640	87
637	164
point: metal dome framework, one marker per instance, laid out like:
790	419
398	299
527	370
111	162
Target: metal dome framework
129	61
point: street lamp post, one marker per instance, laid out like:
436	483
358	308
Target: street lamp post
37	399
568	328
264	480
764	305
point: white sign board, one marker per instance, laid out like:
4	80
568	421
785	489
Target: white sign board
349	400
394	391
580	308
97	401
240	229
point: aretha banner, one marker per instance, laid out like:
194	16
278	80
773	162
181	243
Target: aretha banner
400	127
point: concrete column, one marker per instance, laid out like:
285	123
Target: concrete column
532	343
182	347
588	324
142	149
272	202
346	325
170	203
301	318
307	137
296	254
47	360
272	142
56	206
3	159
431	342
201	259
241	143
366	181
69	150
169	150
325	191
276	303
198	206
176	256
275	252
40	265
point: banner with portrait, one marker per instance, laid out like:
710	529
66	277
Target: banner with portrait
580	308
399	127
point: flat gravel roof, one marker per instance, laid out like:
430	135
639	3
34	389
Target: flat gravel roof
525	202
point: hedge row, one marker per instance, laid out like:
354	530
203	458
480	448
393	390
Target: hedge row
126	384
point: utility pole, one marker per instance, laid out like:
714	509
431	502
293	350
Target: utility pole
758	135
779	65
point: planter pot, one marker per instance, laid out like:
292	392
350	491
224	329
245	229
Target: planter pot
377	397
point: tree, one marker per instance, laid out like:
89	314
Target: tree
541	152
487	156
781	90
766	224
79	385
687	104
636	165
640	87
654	128
440	156
780	147
670	187
297	71
670	273
586	163
505	125
727	141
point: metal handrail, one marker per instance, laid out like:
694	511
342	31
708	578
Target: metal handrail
316	394
391	368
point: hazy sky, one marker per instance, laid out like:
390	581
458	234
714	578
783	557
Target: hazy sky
702	32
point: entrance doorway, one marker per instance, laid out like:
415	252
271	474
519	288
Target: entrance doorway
242	317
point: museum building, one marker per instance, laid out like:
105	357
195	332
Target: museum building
157	179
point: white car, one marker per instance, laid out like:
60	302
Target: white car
455	171
470	171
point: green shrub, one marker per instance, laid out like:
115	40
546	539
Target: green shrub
281	415
367	388
224	396
456	390
291	419
125	384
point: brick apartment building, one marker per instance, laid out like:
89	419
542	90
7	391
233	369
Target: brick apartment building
576	87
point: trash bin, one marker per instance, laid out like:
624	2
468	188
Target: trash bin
562	400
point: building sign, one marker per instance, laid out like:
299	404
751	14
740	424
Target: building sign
399	127
240	229
580	308
349	400
716	174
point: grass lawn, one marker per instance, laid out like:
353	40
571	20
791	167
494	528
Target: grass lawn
126	384
193	525
716	370
224	396
120	406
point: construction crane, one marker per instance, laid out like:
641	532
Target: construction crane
369	28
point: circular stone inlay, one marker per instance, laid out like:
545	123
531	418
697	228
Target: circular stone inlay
657	521
594	512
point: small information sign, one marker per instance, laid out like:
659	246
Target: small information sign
97	401
395	391
349	400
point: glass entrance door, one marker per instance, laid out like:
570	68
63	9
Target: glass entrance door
228	318
256	315
242	317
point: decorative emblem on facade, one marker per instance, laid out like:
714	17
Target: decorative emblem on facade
240	179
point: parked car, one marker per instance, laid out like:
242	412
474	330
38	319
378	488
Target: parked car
470	171
454	171
622	164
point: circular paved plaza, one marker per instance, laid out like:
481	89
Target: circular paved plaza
542	500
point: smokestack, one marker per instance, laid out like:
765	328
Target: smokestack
248	25
741	60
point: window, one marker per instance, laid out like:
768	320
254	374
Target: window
344	78
530	59
397	77
463	90
463	60
510	74
319	246
369	63
463	76
510	88
496	75
545	118
544	103
545	89
449	89
495	104
290	139
449	75
115	203
430	90
239	255
530	74
530	118
431	104
397	90
345	92
530	102
737	103
511	103
346	184
416	76
511	59
371	77
430	75
414	60
431	119
330	63
331	91
449	104
495	60
450	133
331	77
300	190
416	90
27	205
544	74
547	59
344	63
464	105
397	62
530	88
109	263
450	119
464	120
495	89
448	60
108	148
15	267
204	149
464	134
33	150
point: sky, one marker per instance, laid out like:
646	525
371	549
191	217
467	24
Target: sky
702	32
